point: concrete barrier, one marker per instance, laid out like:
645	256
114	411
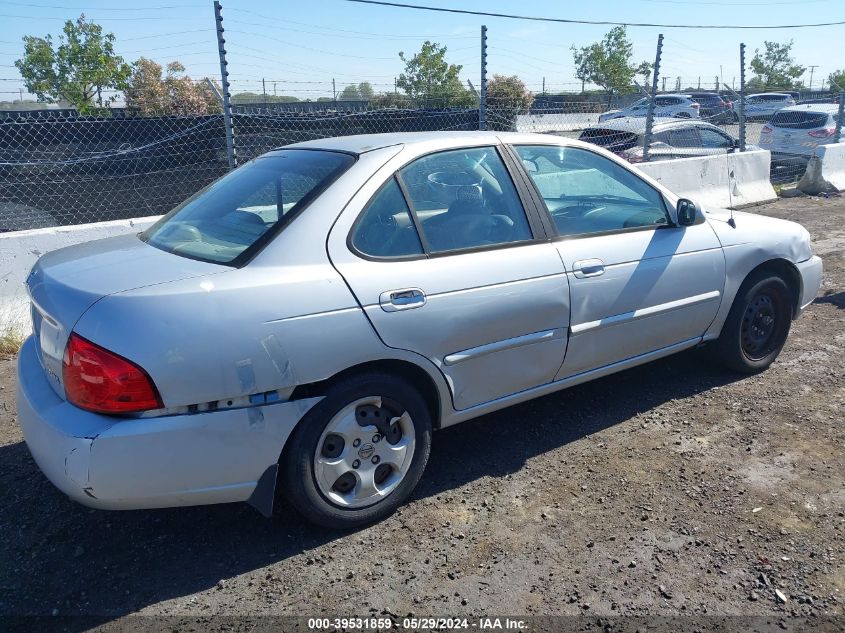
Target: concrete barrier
19	250
733	180
825	171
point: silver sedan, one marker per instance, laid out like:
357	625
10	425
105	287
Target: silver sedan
302	325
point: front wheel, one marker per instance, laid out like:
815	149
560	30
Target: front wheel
358	454
757	325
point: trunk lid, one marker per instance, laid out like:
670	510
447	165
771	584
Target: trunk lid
63	284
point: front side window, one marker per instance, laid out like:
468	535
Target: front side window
587	193
713	139
465	199
222	221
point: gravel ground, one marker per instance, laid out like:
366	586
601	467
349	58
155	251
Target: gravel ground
673	488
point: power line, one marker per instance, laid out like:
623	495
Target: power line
512	16
102	8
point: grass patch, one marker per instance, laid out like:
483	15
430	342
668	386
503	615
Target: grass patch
10	344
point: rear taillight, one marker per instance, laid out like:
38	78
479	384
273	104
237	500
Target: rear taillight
825	133
98	380
766	129
729	104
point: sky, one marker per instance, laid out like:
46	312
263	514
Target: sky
299	47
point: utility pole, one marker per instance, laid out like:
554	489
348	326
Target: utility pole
649	121
224	78
274	89
812	68
544	86
664	85
742	97
482	102
334	92
264	92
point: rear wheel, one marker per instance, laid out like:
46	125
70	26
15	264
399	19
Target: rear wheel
358	454
757	325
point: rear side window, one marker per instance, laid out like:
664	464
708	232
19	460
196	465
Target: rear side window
799	120
385	228
684	137
614	140
465	199
221	222
459	199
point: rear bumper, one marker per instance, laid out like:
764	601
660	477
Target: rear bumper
811	281
129	463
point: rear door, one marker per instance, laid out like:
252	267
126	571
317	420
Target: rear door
449	260
638	283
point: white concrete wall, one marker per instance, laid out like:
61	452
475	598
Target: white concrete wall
833	164
731	180
19	250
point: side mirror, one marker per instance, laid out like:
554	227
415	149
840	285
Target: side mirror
688	212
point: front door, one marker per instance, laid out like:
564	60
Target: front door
446	262
638	282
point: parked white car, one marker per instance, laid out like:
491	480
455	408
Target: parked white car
306	322
793	134
764	105
681	106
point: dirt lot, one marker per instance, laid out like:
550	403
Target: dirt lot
674	488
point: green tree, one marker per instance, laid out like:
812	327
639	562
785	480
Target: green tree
428	76
173	93
836	79
350	93
365	89
775	68
507	97
608	63
78	70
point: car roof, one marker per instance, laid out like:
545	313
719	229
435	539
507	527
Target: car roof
361	143
771	94
680	95
830	108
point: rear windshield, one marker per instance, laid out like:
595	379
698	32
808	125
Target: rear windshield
221	222
799	120
614	140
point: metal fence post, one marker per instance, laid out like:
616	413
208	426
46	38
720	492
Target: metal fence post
224	74
649	120
837	134
482	100
742	97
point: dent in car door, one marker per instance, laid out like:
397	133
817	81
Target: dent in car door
494	321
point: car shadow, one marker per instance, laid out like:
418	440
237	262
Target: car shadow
60	557
833	298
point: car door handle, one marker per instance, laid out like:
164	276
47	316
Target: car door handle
404	299
588	268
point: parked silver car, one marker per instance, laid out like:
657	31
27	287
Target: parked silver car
305	322
670	105
763	106
793	134
671	138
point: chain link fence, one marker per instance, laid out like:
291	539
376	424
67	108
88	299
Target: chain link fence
57	168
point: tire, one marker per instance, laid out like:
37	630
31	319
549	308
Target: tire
324	444
757	325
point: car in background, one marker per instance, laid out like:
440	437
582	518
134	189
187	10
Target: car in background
763	106
714	107
672	105
671	139
794	133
